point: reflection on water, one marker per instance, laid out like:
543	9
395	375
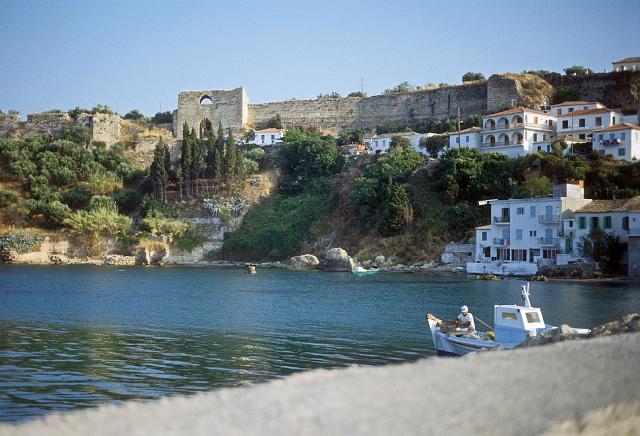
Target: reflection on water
74	337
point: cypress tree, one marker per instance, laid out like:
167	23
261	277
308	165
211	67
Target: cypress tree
186	159
158	170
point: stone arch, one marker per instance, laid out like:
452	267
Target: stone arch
490	124
491	140
503	123
517	138
503	138
206	100
517	119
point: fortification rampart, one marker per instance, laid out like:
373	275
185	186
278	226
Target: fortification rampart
216	106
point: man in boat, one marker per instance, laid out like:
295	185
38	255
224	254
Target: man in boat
465	320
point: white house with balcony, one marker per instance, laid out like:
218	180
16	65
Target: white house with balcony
620	218
469	138
527	233
572	106
621	141
381	143
627	64
581	123
517	132
269	136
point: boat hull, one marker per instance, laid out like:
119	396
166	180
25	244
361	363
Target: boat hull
450	345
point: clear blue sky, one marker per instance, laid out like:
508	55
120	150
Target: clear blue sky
141	54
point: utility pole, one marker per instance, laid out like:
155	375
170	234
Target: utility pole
361	86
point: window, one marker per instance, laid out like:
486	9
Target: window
625	223
273	138
623	136
550	122
466	138
544	137
581	122
612	136
621	151
582	136
519	255
570	109
607	222
457	140
533	233
505	234
262	138
582	222
518	234
614	120
548	254
520	211
532	211
570	224
532	317
595	222
598	121
558	111
539	147
535	137
484	236
565	124
535	120
509	315
600	137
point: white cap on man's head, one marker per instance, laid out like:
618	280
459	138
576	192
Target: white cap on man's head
464	309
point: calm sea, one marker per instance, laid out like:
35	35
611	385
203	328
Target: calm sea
79	336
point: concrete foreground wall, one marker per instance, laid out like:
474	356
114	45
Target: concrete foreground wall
525	392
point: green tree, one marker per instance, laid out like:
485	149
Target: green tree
434	144
162	118
577	70
357	94
565	93
350	136
275	122
78	134
538	187
472	77
158	171
400	88
399	142
604	248
134	115
397	211
186	158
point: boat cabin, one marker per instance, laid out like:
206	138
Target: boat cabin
514	323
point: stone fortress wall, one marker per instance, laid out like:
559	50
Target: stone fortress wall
499	92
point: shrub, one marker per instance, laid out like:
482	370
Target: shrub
158	224
55	213
250	166
97	223
255	154
77	198
472	77
188	243
102	202
7	197
128	200
103	182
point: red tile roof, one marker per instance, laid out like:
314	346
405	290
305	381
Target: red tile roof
597	110
516	110
621	126
622	205
269	130
627	60
467	130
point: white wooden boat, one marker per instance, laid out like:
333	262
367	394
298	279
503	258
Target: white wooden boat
360	271
512	325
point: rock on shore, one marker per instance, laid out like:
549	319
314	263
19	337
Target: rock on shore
337	259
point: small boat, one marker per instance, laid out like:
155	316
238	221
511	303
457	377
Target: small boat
360	271
513	325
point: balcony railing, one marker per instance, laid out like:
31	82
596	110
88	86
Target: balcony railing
517	126
549	242
501	219
549	219
501	242
500	144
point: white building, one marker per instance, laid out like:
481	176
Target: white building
621	141
581	123
469	138
572	106
527	233
268	137
517	131
627	64
381	143
620	218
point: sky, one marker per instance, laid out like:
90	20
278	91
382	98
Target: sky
141	54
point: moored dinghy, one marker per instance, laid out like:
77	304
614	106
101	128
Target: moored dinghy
360	271
513	324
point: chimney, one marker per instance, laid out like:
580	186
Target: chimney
570	189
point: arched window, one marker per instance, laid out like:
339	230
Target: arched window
205	99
